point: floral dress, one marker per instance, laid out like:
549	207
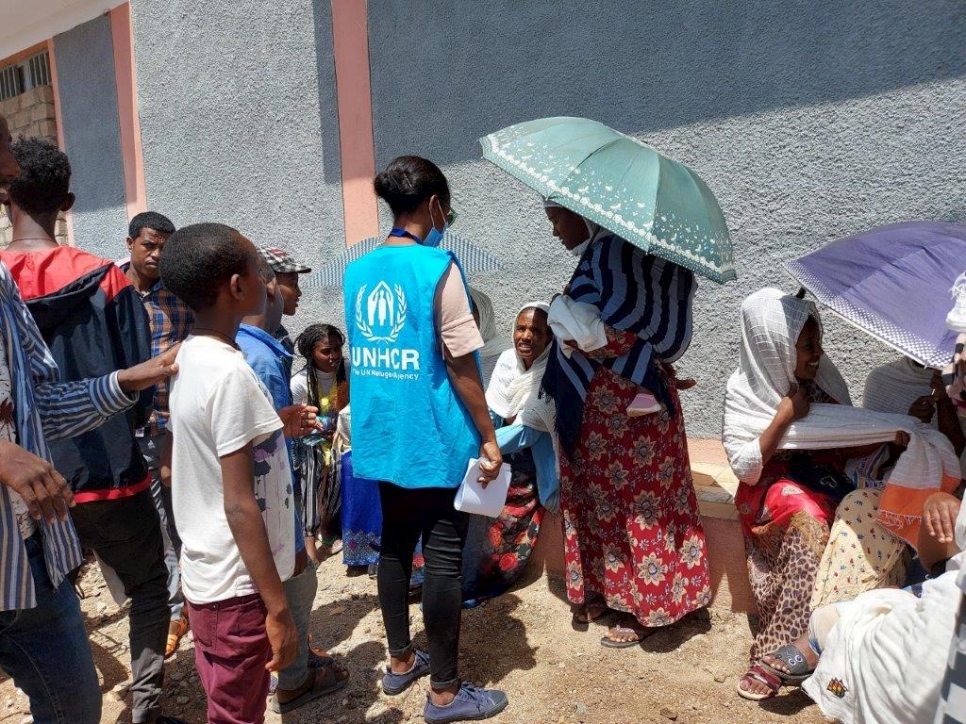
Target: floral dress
632	531
497	551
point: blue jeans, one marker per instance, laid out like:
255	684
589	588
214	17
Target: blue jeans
46	653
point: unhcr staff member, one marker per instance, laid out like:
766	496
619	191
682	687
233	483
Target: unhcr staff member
419	414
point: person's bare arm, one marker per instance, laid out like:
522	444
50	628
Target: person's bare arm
465	377
248	530
791	408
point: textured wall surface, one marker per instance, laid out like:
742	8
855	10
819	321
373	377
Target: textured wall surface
88	98
238	121
810	121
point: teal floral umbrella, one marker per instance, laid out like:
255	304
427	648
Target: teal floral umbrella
622	184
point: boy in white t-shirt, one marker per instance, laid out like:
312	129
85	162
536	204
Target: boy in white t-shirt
231	481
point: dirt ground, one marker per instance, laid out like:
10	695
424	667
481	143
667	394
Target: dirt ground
522	643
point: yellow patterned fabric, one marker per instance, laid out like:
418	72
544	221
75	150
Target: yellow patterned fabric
860	555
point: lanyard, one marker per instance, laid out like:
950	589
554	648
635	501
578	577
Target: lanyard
404	233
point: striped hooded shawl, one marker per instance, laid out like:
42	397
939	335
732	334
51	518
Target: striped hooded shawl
635	292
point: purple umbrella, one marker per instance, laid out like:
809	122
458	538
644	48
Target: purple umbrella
892	282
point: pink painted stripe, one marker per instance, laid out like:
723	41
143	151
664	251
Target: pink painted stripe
127	109
59	120
350	40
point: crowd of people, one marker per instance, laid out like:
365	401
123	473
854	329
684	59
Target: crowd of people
154	415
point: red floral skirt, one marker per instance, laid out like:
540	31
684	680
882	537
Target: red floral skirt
632	532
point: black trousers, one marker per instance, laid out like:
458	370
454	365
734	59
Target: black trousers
407	517
126	534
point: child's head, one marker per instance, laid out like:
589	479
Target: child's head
321	345
43	188
212	267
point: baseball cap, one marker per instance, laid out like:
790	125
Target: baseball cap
281	261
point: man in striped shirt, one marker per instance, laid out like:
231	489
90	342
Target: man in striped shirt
43	643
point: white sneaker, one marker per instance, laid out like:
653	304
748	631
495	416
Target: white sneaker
956	319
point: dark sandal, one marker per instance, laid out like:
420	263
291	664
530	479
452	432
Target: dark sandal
794	660
639	631
757	673
330	682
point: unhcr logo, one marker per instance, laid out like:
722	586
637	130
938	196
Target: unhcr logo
381	316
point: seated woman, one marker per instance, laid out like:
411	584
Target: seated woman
497	551
789	432
855	658
906	387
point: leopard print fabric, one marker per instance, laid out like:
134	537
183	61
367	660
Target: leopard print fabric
782	565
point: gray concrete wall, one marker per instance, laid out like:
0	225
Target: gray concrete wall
88	107
809	120
239	123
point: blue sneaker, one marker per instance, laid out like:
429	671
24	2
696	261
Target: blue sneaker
393	684
470	704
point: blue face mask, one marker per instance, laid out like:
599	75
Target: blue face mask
434	237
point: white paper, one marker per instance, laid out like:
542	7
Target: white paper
474	498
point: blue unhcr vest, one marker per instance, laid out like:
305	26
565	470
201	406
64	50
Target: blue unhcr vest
409	427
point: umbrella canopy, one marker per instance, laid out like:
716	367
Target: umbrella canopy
473	259
892	282
622	184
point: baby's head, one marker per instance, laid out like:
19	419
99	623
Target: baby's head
213	268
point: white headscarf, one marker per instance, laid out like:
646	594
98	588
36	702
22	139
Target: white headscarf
893	387
512	384
771	324
493	343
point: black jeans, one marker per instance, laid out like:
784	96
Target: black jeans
407	516
126	534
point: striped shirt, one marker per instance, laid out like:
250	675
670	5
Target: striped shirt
635	292
171	321
44	409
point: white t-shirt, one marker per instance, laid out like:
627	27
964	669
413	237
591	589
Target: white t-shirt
299	386
218	406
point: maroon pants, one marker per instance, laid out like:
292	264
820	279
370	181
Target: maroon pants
231	651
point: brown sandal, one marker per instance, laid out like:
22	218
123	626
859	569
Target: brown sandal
595	611
176	630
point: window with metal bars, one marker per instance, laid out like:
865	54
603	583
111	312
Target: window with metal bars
28	73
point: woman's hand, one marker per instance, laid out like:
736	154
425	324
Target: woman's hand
794	406
902	439
923	408
491	460
939	514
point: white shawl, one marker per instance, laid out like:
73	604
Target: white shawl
893	387
512	386
514	391
493	343
771	324
883	661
